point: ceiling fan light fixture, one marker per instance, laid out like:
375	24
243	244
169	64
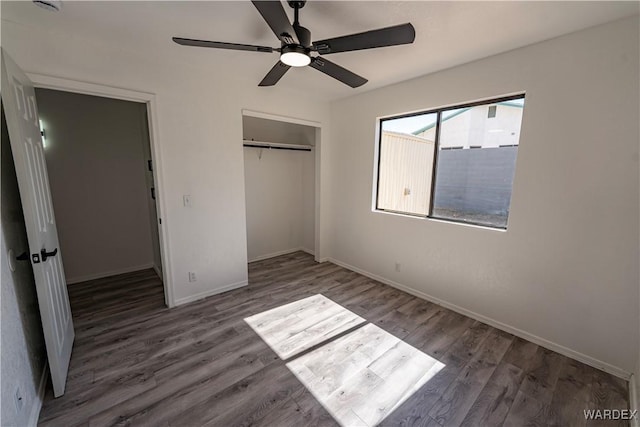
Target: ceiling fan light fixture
296	43
295	56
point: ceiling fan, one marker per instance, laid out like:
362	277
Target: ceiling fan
296	45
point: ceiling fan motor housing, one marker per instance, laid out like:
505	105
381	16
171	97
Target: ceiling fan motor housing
293	48
304	35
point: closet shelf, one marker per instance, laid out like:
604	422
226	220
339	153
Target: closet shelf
276	145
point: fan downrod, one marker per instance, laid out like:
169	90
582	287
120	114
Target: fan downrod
304	35
296	5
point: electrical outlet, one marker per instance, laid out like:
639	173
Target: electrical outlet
192	276
186	200
397	267
18	400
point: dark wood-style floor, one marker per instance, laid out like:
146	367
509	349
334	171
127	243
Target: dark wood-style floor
136	362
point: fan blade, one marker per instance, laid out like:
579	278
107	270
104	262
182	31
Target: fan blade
337	72
221	45
390	36
274	74
276	17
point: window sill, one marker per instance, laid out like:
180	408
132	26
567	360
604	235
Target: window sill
440	220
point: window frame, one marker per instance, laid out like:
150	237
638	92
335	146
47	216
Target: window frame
436	147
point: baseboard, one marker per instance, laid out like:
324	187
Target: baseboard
633	399
104	274
34	414
158	271
309	251
588	360
210	292
275	254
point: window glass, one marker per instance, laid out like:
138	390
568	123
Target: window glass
406	164
475	185
463	158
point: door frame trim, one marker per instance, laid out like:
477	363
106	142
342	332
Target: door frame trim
86	88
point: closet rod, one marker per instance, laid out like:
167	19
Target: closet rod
276	146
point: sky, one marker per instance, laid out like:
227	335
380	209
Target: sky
409	124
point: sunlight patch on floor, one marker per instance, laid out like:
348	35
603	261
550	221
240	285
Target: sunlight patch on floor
298	326
362	377
359	378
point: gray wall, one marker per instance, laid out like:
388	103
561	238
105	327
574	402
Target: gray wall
476	180
97	172
23	352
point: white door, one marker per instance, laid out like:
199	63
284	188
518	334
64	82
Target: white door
19	102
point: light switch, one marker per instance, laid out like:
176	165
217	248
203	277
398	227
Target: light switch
186	199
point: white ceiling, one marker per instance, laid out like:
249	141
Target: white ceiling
447	33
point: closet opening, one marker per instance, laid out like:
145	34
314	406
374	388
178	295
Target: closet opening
280	167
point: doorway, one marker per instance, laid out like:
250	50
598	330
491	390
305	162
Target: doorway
102	181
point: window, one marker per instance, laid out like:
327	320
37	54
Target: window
454	163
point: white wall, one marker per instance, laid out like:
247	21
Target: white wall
199	129
97	167
279	189
566	270
23	352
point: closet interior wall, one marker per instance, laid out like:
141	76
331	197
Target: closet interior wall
279	188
